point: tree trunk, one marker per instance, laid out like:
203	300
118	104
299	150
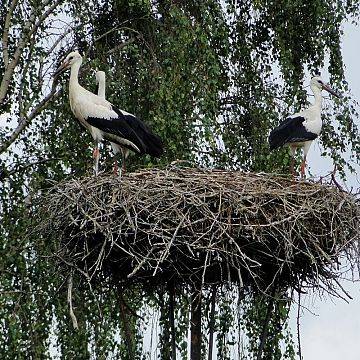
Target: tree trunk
195	350
127	332
265	329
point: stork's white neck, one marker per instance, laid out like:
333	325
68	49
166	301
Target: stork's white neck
101	90
74	74
318	97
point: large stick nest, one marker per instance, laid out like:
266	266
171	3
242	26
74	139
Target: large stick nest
197	226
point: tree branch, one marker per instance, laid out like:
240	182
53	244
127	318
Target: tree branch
110	31
4	173
61	37
27	32
195	323
212	322
123	44
128	334
298	328
69	299
26	120
5	37
22	81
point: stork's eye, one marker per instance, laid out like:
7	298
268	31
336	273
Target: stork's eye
71	57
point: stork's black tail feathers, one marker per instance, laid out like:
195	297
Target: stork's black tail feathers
276	139
153	143
141	134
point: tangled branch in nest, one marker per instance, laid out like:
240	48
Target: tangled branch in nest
196	226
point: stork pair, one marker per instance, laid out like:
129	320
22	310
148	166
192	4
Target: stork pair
126	132
104	121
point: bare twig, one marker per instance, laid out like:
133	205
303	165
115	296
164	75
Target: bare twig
298	326
122	45
172	320
212	322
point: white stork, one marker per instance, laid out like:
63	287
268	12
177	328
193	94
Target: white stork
104	120
100	79
300	129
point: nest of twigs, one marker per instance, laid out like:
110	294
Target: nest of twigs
190	225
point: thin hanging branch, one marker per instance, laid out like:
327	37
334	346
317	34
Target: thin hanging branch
298	326
69	299
171	288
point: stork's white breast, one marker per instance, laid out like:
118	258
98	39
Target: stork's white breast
85	104
313	126
313	122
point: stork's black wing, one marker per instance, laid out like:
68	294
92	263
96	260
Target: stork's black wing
117	130
131	129
291	130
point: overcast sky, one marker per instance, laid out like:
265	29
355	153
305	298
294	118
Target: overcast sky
334	332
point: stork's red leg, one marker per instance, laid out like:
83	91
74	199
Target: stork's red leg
116	167
96	156
303	165
96	152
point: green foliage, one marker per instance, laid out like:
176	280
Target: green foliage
255	313
203	74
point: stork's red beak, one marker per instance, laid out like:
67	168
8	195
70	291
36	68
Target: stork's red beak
330	90
61	68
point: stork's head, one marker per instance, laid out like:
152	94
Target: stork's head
317	82
73	58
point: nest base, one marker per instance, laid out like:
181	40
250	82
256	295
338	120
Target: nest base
193	226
